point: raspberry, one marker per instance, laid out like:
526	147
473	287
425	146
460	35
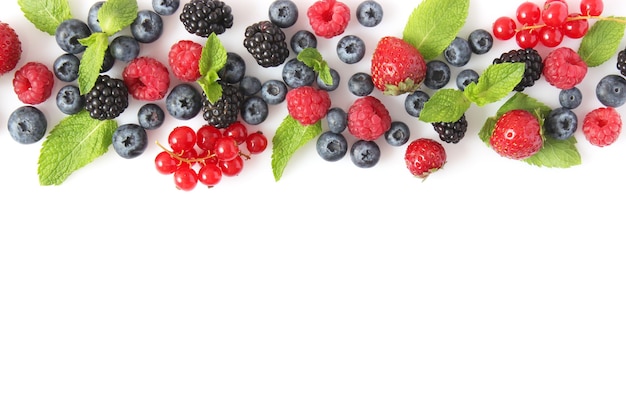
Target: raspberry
424	156
563	68
328	18
368	118
517	135
184	57
307	105
146	79
602	126
10	48
33	83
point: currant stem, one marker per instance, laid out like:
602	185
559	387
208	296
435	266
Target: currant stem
186	160
571	19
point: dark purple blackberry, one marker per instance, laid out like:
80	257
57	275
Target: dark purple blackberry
224	111
621	62
451	132
533	61
203	17
107	99
266	43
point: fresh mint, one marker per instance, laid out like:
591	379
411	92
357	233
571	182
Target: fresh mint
290	136
602	41
91	61
212	60
46	15
73	143
115	15
446	105
434	24
312	58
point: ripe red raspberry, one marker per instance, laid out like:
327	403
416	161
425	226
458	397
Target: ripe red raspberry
602	126
33	83
564	68
517	135
10	48
184	57
328	18
146	79
307	105
424	156
368	118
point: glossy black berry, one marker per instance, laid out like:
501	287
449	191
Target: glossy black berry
183	102
571	98
621	62
147	26
69	100
301	40
203	17
283	13
265	41
27	124
561	124
331	146
369	13
398	134
225	111
350	49
451	132
365	153
130	140
533	61
150	116
107	99
254	110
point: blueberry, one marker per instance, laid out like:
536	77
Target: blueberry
150	116
360	84
480	41
337	120
335	83
92	17
350	49
365	153
283	13
297	74
398	134
124	48
331	146
147	26
273	91
69	100
69	32
570	99
130	140
437	74
66	67
561	124
414	102
108	62
27	124
611	90
254	110
249	85
183	102
458	53
165	7
234	70
301	40
369	13
465	78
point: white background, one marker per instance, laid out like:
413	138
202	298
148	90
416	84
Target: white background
493	288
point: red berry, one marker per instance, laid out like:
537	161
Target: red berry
307	104
232	167
33	83
210	174
146	79
10	48
591	7
550	36
528	13
554	13
165	163
527	38
574	27
397	67
517	135
602	126
368	118
504	28
256	142
226	149
328	18
237	131
424	156
564	68
182	138
184	58
185	178
207	136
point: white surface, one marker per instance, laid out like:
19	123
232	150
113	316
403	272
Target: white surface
493	288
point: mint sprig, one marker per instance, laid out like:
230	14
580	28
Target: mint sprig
212	60
290	136
312	58
46	15
115	15
602	41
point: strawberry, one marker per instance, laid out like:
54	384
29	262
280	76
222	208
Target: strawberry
517	135
397	66
10	48
424	156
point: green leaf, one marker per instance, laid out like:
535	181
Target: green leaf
434	24
447	105
73	143
289	137
485	132
495	83
312	58
556	154
46	15
91	61
602	41
523	101
212	60
115	15
212	90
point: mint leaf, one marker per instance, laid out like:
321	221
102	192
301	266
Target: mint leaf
212	60
115	15
213	90
495	83
447	105
602	41
46	15
523	101
91	61
73	143
312	58
485	132
434	24
289	137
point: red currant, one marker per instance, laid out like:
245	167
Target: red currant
554	13
256	142
226	149
504	28
550	36
574	27
591	7
165	163
237	131
210	174
207	135
527	38
185	178
528	13
182	138
232	167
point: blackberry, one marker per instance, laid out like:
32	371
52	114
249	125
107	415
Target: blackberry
224	111
107	99
266	43
621	62
203	17
451	132
533	61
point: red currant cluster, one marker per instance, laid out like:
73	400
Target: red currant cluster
548	25
206	155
